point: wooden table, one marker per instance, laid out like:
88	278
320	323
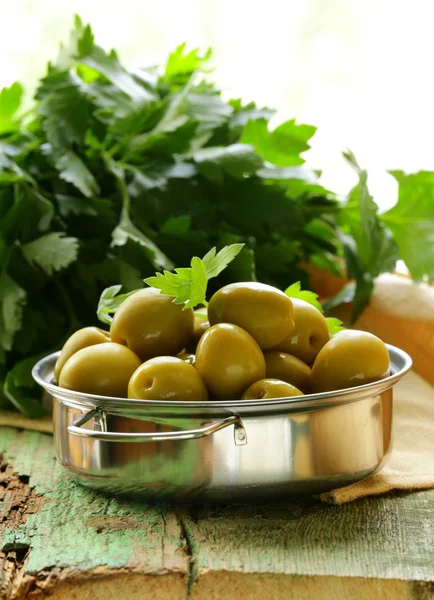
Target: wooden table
62	540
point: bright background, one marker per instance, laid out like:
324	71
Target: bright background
361	70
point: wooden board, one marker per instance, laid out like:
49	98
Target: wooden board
60	539
57	536
372	548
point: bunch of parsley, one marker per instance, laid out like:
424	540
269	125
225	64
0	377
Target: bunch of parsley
115	174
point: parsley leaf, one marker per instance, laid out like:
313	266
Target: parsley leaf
369	246
334	325
71	168
237	160
19	388
182	63
216	263
126	230
109	302
345	295
188	285
281	146
295	291
52	252
12	301
10	100
412	222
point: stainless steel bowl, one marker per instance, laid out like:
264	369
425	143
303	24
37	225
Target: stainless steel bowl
224	451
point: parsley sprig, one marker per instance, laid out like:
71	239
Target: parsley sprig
187	285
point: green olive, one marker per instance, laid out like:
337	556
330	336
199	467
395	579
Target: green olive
103	369
167	378
88	336
188	358
349	359
265	389
262	310
229	360
310	333
150	324
286	367
201	324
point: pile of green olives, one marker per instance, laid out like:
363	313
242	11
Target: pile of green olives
252	342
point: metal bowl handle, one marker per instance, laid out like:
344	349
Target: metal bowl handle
240	436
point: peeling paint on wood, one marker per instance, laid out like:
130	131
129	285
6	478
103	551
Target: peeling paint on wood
79	534
18	499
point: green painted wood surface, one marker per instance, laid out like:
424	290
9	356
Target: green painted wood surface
76	530
361	543
71	542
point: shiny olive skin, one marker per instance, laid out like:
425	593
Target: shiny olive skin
310	332
266	389
82	338
102	369
150	324
188	358
349	359
229	360
200	326
280	365
262	310
167	378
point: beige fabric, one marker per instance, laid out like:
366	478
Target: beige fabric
411	463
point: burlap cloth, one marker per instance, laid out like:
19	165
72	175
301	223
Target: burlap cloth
410	465
411	462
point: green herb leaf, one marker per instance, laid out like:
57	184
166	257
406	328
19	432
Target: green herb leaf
72	169
126	230
12	301
109	302
334	325
249	113
282	146
199	282
51	252
109	66
20	389
295	291
64	109
188	285
10	100
345	295
182	63
412	222
216	263
369	246
237	160
208	110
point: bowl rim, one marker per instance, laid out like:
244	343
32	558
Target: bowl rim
401	363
